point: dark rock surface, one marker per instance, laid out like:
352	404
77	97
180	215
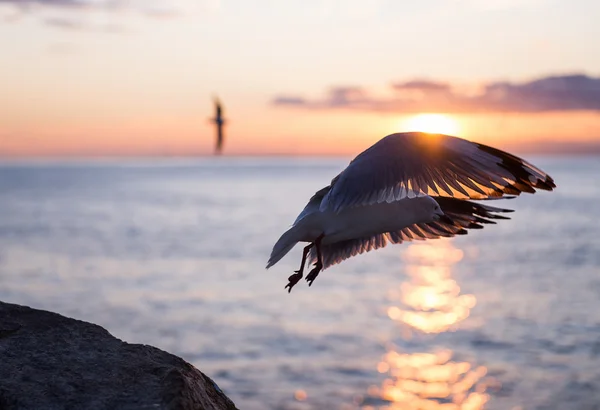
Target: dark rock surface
48	361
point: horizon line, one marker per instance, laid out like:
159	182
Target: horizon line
191	157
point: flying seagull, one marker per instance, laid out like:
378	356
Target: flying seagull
407	186
219	122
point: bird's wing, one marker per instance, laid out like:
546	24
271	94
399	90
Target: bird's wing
461	215
313	203
416	164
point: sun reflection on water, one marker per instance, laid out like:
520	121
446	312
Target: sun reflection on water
430	302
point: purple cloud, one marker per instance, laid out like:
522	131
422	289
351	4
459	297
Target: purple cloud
422	85
337	97
571	92
556	93
283	100
71	4
65	13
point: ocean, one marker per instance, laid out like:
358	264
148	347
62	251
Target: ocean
172	253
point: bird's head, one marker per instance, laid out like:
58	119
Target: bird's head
433	210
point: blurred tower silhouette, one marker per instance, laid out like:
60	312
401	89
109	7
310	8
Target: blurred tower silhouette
219	121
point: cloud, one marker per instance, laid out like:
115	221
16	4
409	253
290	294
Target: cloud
159	8
69	14
422	85
283	100
338	97
554	93
65	23
30	5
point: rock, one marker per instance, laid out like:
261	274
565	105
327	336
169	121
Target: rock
48	361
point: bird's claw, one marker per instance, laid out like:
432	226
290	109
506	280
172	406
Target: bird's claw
293	279
310	278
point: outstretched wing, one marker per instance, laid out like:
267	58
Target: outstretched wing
461	215
313	203
416	164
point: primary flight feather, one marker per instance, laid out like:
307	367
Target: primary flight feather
407	186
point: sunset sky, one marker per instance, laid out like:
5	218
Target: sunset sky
136	77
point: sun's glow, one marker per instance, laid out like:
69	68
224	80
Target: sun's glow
432	123
431	301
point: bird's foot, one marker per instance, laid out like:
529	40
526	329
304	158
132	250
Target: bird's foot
293	279
310	278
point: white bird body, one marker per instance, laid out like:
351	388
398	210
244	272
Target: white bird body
363	221
406	186
357	222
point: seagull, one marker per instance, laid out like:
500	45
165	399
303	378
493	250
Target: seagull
407	186
219	122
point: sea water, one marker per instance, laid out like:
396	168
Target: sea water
172	253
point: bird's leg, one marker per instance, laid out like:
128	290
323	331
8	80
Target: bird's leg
295	278
310	278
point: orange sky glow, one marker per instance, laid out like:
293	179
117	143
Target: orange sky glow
316	134
84	78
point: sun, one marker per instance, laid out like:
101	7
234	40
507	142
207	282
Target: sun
432	123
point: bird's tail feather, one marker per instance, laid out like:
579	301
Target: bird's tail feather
285	244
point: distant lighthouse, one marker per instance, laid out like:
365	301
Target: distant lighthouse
219	121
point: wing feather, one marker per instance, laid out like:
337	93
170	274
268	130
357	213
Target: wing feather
313	203
407	165
461	216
